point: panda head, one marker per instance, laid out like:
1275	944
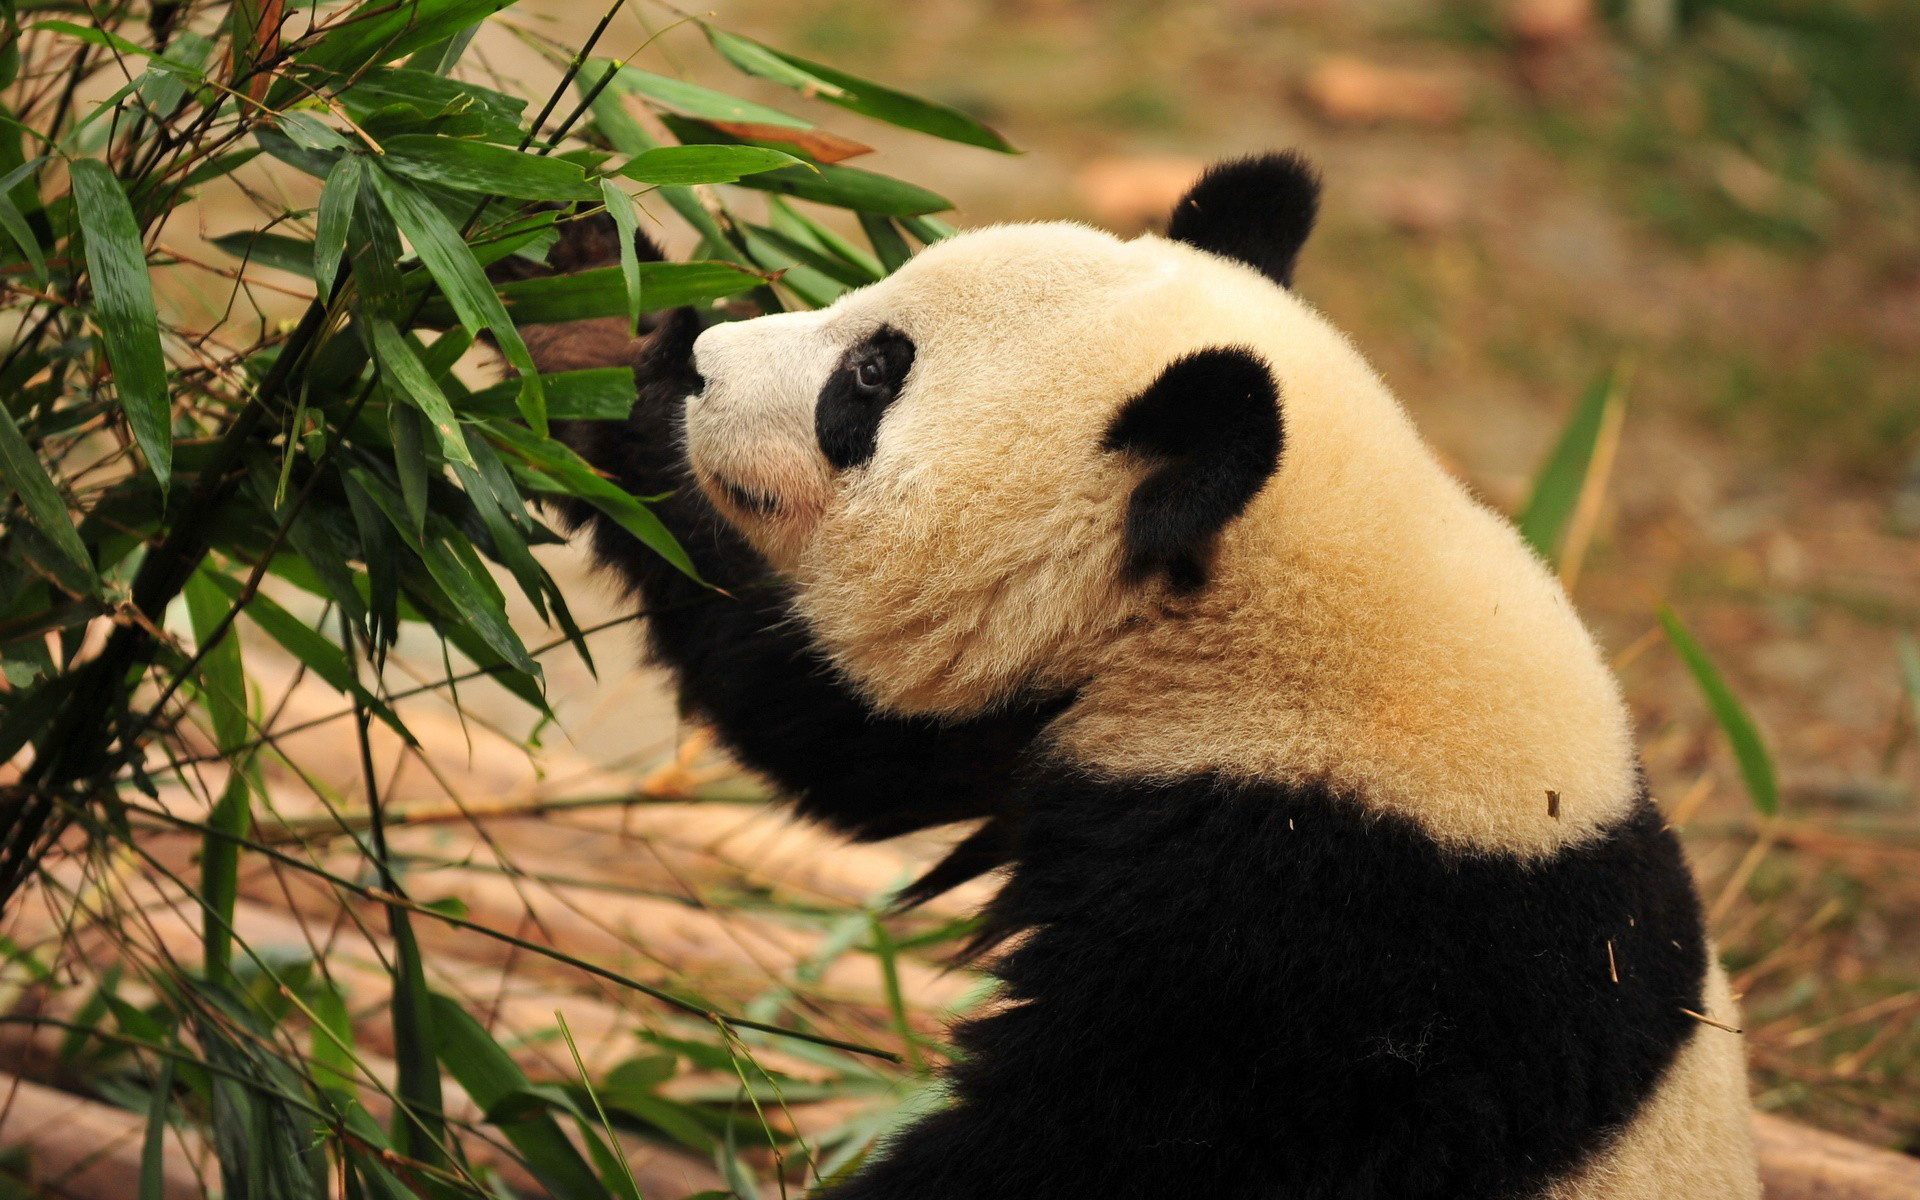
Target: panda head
976	469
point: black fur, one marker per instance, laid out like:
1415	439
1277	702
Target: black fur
1211	426
1258	210
846	420
1233	990
742	662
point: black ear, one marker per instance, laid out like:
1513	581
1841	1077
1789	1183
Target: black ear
1258	210
1210	425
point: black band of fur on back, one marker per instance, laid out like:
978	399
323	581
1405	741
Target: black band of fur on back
1242	991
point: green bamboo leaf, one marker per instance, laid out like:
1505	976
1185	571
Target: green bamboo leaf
844	273
928	229
450	563
381	31
337	198
153	1146
224	695
597	394
603	292
113	41
684	165
407	378
411	462
795	224
694	100
559	470
887	241
330	1051
755	59
451	263
615	1172
1556	490
1756	764
430	95
620	208
850	187
14	222
854	93
304	642
293	255
472	166
490	1076
124	310
509	546
815	289
21	471
419	1128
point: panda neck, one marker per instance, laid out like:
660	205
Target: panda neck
1429	668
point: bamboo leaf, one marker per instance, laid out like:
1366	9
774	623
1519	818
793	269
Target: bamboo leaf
153	1146
123	309
381	31
14	222
307	644
407	378
620	208
1756	764
337	199
224	687
682	165
113	41
419	1128
451	263
854	93
1556	490
472	166
850	187
558	469
603	292
596	394
21	471
694	100
293	255
928	229
468	587
886	240
490	1076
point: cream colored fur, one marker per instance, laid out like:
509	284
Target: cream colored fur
1368	625
1697	1120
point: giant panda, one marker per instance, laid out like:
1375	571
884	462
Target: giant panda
1329	870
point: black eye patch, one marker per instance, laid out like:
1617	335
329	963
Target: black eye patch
846	420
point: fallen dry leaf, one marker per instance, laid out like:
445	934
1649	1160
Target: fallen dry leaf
817	143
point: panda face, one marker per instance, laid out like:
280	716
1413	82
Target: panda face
944	462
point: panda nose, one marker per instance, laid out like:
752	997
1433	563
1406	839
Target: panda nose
707	351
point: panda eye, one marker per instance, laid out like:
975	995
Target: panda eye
870	374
